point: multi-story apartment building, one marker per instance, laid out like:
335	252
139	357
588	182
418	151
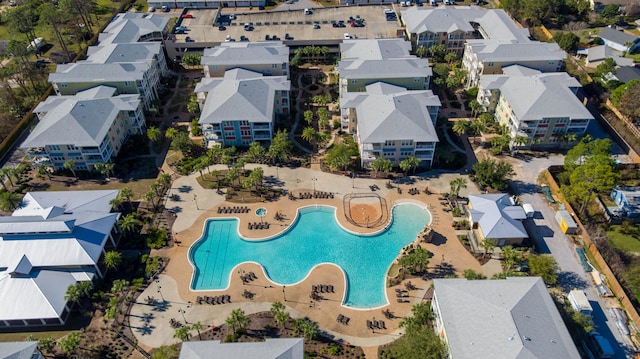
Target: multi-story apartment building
129	58
453	25
88	128
241	107
364	62
541	107
270	58
486	57
393	123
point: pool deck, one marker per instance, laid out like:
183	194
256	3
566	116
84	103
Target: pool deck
150	323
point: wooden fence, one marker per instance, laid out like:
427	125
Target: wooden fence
613	283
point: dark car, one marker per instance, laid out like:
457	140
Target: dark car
222	28
288	37
267	37
243	38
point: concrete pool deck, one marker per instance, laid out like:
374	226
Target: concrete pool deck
150	323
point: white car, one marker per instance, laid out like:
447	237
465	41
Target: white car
227	39
388	11
347	36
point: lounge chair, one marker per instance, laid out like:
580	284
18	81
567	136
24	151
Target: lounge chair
199	300
314	288
369	324
249	226
267	225
346	320
252	275
219	210
228	298
382	325
330	287
340	318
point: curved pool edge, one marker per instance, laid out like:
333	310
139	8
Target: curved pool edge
289	228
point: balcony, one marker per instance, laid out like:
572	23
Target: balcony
261	127
368	147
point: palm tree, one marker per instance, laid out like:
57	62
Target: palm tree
282	318
475	107
381	164
43	169
456	185
154	134
309	330
71	166
116	203
276	308
182	333
9	201
311	135
460	127
165	181
237	320
475	129
421	51
3	176
510	257
126	193
488	245
73	293
197	326
409	164
70	343
129	223
112	259
308	117
170	133
298	323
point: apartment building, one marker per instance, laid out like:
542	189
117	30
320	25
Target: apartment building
541	107
392	122
88	128
241	107
270	58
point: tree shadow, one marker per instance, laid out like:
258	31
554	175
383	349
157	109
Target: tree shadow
160	306
523	187
185	189
441	270
438	239
175	209
571	280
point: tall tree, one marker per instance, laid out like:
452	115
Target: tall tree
460	127
256	153
71	166
409	164
112	259
488	245
281	147
544	266
50	15
456	185
9	201
237	320
381	164
490	172
312	136
197	326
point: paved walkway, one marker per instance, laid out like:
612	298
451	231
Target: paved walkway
150	323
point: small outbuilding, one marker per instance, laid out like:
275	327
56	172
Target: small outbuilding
567	224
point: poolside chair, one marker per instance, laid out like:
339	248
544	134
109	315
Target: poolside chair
382	325
369	324
218	300
340	318
199	300
219	210
267	225
330	287
228	298
314	288
249	225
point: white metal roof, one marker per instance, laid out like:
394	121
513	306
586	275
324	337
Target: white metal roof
246	53
19	350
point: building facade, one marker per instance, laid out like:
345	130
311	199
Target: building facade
538	109
87	128
241	107
392	122
267	58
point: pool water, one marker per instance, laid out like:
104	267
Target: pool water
314	238
261	212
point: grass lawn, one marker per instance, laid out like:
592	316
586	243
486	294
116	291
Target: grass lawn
139	186
629	242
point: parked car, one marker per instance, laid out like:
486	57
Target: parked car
388	11
288	37
151	9
189	39
347	36
165	8
316	25
243	38
187	16
222	28
308	12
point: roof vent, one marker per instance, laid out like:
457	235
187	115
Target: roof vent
526	338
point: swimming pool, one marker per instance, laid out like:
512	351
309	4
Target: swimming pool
315	237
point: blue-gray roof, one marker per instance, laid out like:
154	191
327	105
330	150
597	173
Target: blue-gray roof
87	72
619	37
502	319
496	216
287	348
79	120
132	27
246	53
492	50
18	350
118	53
241	95
388	112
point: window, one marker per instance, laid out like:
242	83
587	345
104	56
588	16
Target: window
490	64
417	79
354	81
127	83
388	143
63	84
284	66
274	66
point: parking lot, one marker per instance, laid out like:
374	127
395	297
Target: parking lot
202	32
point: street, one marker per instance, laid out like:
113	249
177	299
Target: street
550	239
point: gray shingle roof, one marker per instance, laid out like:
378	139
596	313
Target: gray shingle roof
495	23
492	50
388	112
628	73
130	27
289	348
116	53
78	120
87	72
502	319
534	97
602	52
497	218
374	49
246	53
380	59
619	37
241	95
